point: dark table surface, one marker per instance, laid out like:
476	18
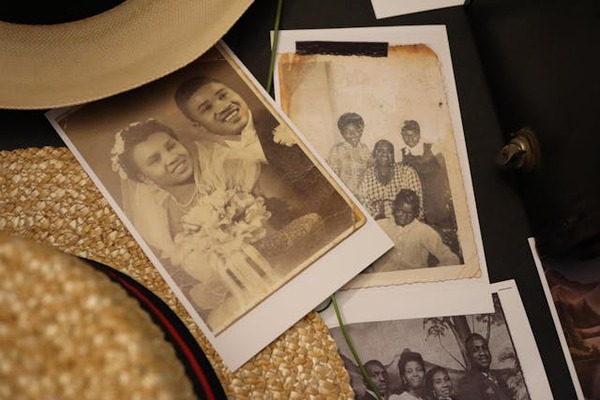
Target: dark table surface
504	223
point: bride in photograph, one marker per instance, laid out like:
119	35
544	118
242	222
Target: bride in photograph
198	225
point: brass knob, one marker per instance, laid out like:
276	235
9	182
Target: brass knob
521	153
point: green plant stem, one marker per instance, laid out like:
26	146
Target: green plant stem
363	372
274	46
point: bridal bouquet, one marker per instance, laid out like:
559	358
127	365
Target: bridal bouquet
217	235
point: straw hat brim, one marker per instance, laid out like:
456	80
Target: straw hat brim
47	66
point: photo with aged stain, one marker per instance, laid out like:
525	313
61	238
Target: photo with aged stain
380	114
217	185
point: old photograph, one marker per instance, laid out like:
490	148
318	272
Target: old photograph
572	288
383	116
224	195
472	356
390	8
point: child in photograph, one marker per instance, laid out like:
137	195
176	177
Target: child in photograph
438	208
349	159
438	385
414	240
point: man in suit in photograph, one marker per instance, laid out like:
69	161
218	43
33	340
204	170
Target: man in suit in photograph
480	382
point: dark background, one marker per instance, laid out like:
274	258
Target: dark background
517	63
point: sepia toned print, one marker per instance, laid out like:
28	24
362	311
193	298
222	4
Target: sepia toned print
382	122
455	357
228	200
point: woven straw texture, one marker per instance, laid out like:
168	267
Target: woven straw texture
45	195
66	330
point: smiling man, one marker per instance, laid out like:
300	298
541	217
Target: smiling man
480	382
226	134
238	144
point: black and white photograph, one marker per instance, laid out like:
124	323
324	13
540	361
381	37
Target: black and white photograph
460	357
225	198
383	112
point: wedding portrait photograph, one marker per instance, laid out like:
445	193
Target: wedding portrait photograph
380	106
223	195
467	356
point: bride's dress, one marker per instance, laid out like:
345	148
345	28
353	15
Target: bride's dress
229	275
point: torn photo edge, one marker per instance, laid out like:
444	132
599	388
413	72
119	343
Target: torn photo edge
435	36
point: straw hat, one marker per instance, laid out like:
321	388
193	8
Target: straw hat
46	66
68	331
46	196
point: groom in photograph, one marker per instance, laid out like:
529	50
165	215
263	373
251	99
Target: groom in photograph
253	151
226	125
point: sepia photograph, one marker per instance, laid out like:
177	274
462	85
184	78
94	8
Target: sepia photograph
572	288
383	112
227	200
467	356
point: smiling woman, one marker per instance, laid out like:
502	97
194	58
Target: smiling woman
199	225
412	373
152	152
151	155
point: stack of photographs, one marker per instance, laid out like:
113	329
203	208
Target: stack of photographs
241	218
473	356
356	182
380	106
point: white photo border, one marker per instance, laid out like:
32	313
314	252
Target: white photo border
561	336
391	8
287	305
514	314
434	36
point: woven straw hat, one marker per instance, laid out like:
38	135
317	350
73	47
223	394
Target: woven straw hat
46	66
46	196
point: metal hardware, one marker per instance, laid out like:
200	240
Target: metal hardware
521	153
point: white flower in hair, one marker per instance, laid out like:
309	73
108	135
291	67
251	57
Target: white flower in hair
117	150
282	135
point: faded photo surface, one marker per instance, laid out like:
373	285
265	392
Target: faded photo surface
220	189
458	357
380	117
